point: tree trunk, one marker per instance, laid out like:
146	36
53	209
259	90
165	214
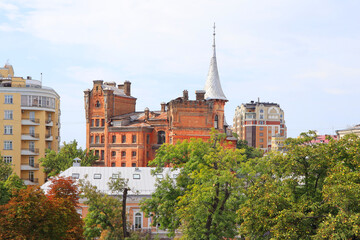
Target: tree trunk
125	232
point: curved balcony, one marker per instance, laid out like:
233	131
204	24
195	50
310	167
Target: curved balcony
30	151
28	167
30	121
29	136
48	137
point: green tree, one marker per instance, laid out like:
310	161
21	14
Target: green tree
105	213
311	192
202	200
5	169
54	163
250	152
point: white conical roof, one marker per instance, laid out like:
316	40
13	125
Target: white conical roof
212	86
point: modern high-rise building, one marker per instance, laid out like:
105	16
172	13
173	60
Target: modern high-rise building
258	122
123	137
30	124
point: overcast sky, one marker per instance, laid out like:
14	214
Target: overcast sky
304	55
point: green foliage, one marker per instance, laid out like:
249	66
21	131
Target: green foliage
54	163
202	200
5	169
104	218
250	152
310	192
7	187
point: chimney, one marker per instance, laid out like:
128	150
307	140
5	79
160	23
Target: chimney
185	95
200	95
146	113
113	84
76	162
121	86
127	85
163	106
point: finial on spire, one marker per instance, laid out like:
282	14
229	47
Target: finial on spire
214	37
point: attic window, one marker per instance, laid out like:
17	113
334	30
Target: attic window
97	176
75	175
115	176
160	176
97	104
136	176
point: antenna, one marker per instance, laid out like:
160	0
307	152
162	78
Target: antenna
41	78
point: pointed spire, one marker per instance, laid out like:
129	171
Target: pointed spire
212	86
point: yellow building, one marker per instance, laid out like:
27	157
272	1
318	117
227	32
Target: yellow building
30	124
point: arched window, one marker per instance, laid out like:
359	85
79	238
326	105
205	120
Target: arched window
161	137
137	220
97	104
216	122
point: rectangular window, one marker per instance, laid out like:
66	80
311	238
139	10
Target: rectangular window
113	138
261	134
32	131
97	122
261	140
8	130
7	159
123	154
113	164
123	164
102	122
97	176
102	139
97	139
96	152
75	176
32	116
134	165
147	154
102	154
8	99
31	176
133	138
148	139
113	153
31	161
32	146
92	122
49	117
133	154
91	139
7	145
8	115
49	145
123	138
136	176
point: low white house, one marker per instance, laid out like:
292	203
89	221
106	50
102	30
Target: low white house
140	181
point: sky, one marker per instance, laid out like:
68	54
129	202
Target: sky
303	55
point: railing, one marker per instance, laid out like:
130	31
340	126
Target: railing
33	150
34	135
34	165
48	121
34	180
48	135
34	120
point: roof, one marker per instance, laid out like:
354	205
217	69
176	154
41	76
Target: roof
213	88
117	91
141	182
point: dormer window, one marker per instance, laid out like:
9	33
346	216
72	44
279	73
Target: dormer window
216	122
97	104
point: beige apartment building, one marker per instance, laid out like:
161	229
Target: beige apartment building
258	122
30	124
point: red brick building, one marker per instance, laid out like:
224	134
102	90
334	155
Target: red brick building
124	137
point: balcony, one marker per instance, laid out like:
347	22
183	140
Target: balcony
30	121
48	137
30	151
49	123
28	167
29	136
31	181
